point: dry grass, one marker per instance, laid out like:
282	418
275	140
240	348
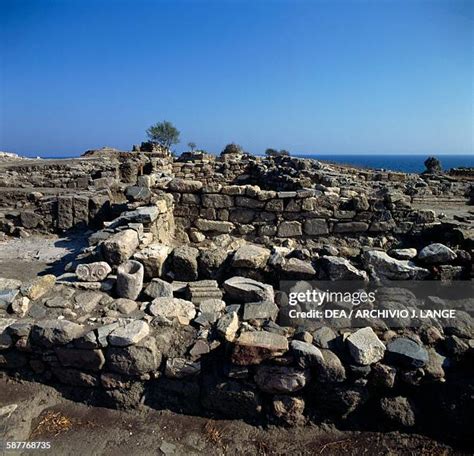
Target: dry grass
212	433
54	423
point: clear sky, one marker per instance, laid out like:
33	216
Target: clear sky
308	76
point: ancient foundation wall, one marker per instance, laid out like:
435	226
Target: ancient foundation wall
247	210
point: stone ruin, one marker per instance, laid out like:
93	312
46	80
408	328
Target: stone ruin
177	301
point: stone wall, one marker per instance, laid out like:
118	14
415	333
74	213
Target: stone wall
307	213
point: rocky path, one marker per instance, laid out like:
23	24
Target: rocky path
41	414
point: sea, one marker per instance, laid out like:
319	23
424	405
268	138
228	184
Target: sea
400	162
393	162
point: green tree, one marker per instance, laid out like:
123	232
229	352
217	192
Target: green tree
163	133
192	146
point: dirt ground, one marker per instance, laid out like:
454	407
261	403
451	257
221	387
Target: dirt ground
42	414
24	259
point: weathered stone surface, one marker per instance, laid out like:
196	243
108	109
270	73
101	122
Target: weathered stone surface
297	269
406	352
159	289
55	332
324	337
398	410
20	306
365	347
74	377
341	269
329	368
232	398
306	354
134	359
228	325
130	334
214	225
86	301
153	258
315	227
125	306
170	308
93	272
390	268
289	409
403	254
350	227
84	359
244	290
254	347
36	288
184	186
9	284
181	368
289	229
120	247
185	265
436	253
383	376
130	279
280	379
212	305
264	310
250	256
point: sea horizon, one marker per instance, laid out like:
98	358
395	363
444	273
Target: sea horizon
403	162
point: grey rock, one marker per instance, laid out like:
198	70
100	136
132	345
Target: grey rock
185	265
403	254
280	379
153	258
254	347
341	269
436	253
181	368
228	325
250	256
159	289
265	310
170	308
365	347
55	332
390	268
242	289
134	359
119	247
306	354
406	352
85	359
130	334
398	410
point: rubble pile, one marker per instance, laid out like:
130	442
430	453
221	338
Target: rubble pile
177	300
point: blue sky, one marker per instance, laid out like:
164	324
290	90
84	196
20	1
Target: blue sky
308	76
